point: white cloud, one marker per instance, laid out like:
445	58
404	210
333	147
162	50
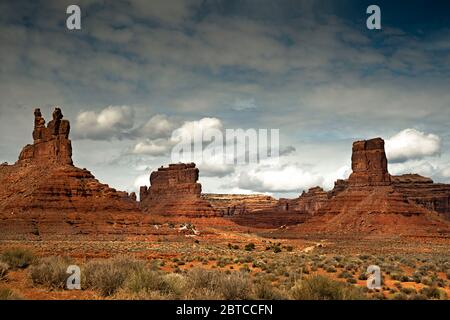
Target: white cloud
215	169
244	104
424	168
142	180
412	144
157	147
285	178
341	173
158	126
111	122
446	172
183	134
189	128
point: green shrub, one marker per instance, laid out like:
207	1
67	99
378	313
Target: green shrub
250	246
351	280
323	288
345	274
417	277
266	291
416	296
277	249
17	258
399	296
214	284
427	281
363	276
433	293
174	285
330	269
202	279
147	281
400	277
4	268
364	257
378	296
408	290
50	272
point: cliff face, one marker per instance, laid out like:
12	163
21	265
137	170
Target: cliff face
174	191
372	201
44	178
369	164
308	203
406	194
423	191
239	204
51	144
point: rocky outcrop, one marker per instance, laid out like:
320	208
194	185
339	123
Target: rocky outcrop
309	202
174	191
369	164
239	204
372	201
51	144
45	180
423	191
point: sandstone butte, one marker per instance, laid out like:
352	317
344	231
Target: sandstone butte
175	191
373	201
43	193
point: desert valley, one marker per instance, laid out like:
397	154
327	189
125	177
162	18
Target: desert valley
179	243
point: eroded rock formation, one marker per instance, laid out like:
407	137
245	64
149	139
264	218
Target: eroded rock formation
309	202
51	144
45	180
369	164
173	191
372	201
239	204
423	191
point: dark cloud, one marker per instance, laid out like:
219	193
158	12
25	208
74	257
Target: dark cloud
139	69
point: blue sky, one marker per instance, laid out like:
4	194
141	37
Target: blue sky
140	69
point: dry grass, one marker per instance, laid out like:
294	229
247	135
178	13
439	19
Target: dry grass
50	272
17	258
8	294
323	288
4	268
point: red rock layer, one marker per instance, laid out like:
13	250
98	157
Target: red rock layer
45	180
51	144
239	204
175	191
371	201
421	190
309	202
369	164
63	188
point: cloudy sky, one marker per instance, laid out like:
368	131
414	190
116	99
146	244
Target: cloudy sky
140	70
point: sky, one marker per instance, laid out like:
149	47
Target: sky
138	71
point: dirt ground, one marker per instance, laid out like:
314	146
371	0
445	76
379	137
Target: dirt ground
224	248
